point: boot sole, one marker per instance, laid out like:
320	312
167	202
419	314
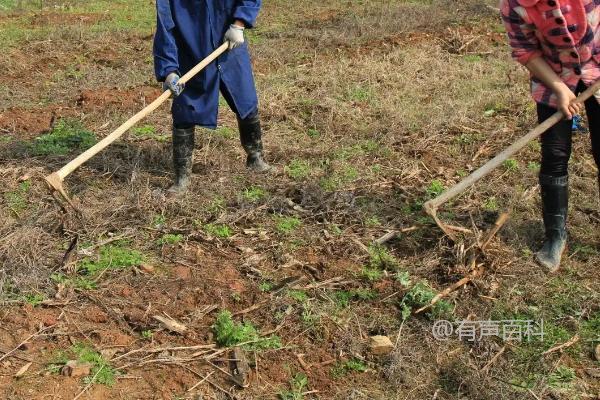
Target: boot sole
550	268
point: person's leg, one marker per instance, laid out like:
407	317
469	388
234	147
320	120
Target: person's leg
592	108
183	150
250	135
554	184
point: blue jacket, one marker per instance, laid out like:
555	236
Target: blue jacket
187	31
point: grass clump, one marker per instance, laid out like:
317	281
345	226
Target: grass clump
101	372
297	169
33	299
254	194
111	257
79	282
228	333
298	386
287	225
371	274
17	199
354	365
221	231
66	136
562	378
381	259
511	165
298	295
170	239
435	188
420	295
342	298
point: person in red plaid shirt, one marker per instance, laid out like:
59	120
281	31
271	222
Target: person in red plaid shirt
559	43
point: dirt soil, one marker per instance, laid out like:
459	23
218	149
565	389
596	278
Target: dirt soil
364	123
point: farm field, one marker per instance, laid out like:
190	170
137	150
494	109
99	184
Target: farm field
369	108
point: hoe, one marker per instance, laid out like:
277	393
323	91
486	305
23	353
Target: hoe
55	180
431	207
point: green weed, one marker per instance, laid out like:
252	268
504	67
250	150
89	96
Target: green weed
33	299
17	199
216	205
298	295
170	239
265	286
297	169
298	386
159	220
343	368
225	132
533	166
144	130
313	134
404	278
372	221
111	257
381	259
420	295
360	94
228	333
287	225
371	274
218	230
511	165
435	188
254	194
147	334
101	372
491	204
66	136
79	282
562	378
342	298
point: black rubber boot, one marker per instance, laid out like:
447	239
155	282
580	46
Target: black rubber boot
251	138
555	206
183	150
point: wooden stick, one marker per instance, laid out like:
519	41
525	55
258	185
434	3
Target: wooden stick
474	274
497	226
493	360
25	341
55	179
432	205
568	343
201	381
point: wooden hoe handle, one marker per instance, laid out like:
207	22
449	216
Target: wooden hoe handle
62	173
432	205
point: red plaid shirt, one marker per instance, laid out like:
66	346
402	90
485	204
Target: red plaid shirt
566	33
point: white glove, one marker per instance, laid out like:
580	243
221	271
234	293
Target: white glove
235	36
172	83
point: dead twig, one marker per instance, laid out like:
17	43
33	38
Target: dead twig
502	219
6	355
563	346
201	381
493	360
90	383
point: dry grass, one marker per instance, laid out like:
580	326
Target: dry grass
368	109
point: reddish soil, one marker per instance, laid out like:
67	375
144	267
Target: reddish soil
90	100
31	122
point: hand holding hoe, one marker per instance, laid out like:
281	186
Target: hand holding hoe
55	180
432	205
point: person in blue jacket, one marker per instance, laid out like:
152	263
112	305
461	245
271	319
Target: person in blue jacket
188	31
